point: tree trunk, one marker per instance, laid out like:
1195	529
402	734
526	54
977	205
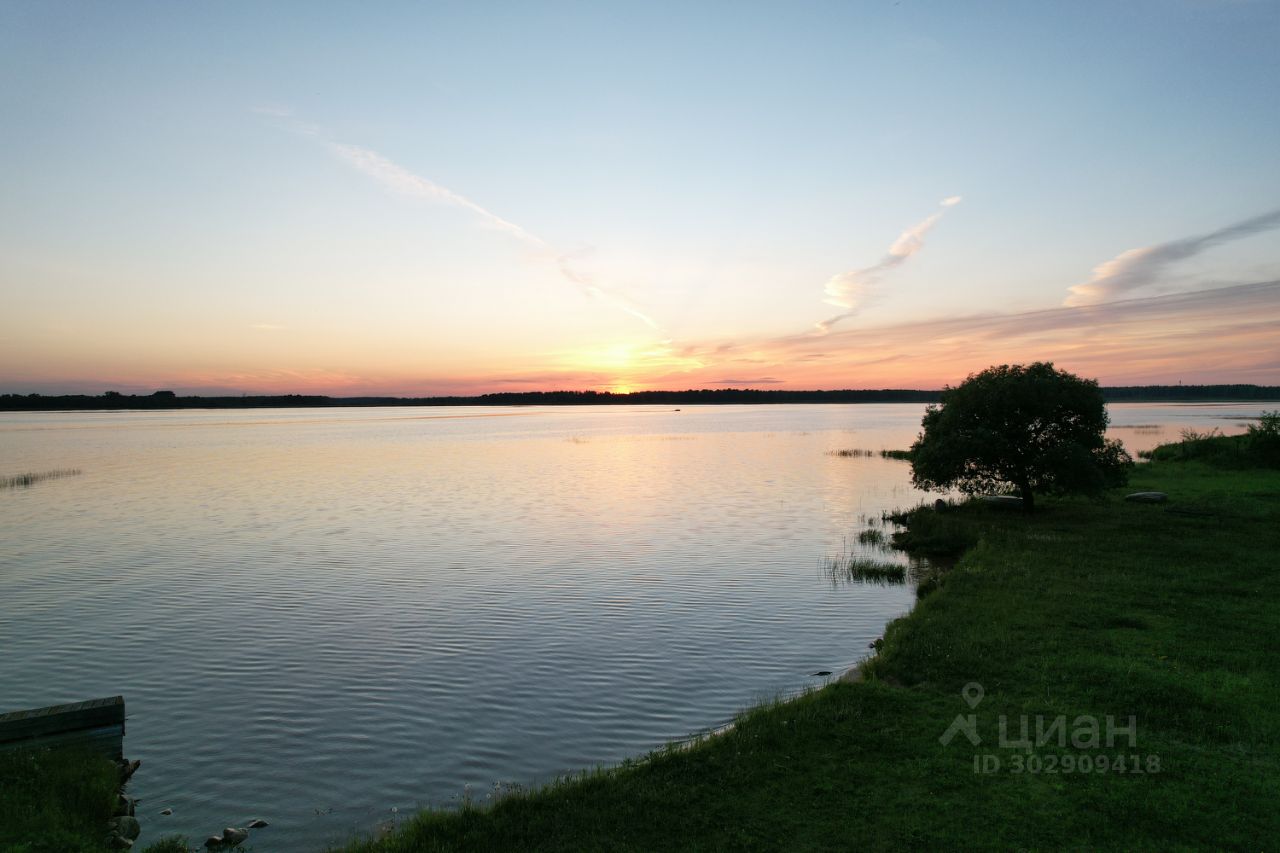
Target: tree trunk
1028	498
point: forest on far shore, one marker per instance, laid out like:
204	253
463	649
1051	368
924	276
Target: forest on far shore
170	400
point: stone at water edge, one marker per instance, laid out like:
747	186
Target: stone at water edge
231	835
213	842
125	825
166	811
257	823
1147	497
119	842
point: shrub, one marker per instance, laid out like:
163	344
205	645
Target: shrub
1030	428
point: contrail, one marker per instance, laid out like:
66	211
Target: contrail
400	180
592	289
394	177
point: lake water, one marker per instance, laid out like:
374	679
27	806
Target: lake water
326	618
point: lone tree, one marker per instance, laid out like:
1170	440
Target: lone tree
1032	428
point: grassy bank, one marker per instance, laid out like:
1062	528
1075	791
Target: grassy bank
59	801
1169	614
55	801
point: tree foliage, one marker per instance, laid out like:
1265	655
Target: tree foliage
1029	428
1264	440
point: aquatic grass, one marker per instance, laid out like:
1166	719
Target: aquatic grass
861	569
851	565
871	536
868	454
867	569
32	477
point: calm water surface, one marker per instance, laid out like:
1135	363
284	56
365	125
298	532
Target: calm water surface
322	617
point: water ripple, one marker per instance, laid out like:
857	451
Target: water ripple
316	617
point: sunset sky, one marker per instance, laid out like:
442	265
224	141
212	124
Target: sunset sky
459	198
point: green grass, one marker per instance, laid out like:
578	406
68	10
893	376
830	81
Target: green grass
1239	452
1259	447
55	801
1169	613
59	801
947	535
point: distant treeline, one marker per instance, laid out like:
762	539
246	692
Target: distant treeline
1191	393
170	400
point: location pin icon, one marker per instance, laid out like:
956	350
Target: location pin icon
973	693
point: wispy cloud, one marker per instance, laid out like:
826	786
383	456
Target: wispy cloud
850	290
396	178
1207	335
1225	334
1138	268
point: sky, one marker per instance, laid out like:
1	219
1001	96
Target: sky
437	198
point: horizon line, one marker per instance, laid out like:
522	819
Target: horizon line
171	400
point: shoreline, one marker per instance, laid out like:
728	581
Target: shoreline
168	401
1080	612
1121	614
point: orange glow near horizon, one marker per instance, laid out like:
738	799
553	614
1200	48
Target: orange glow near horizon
471	219
1217	336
